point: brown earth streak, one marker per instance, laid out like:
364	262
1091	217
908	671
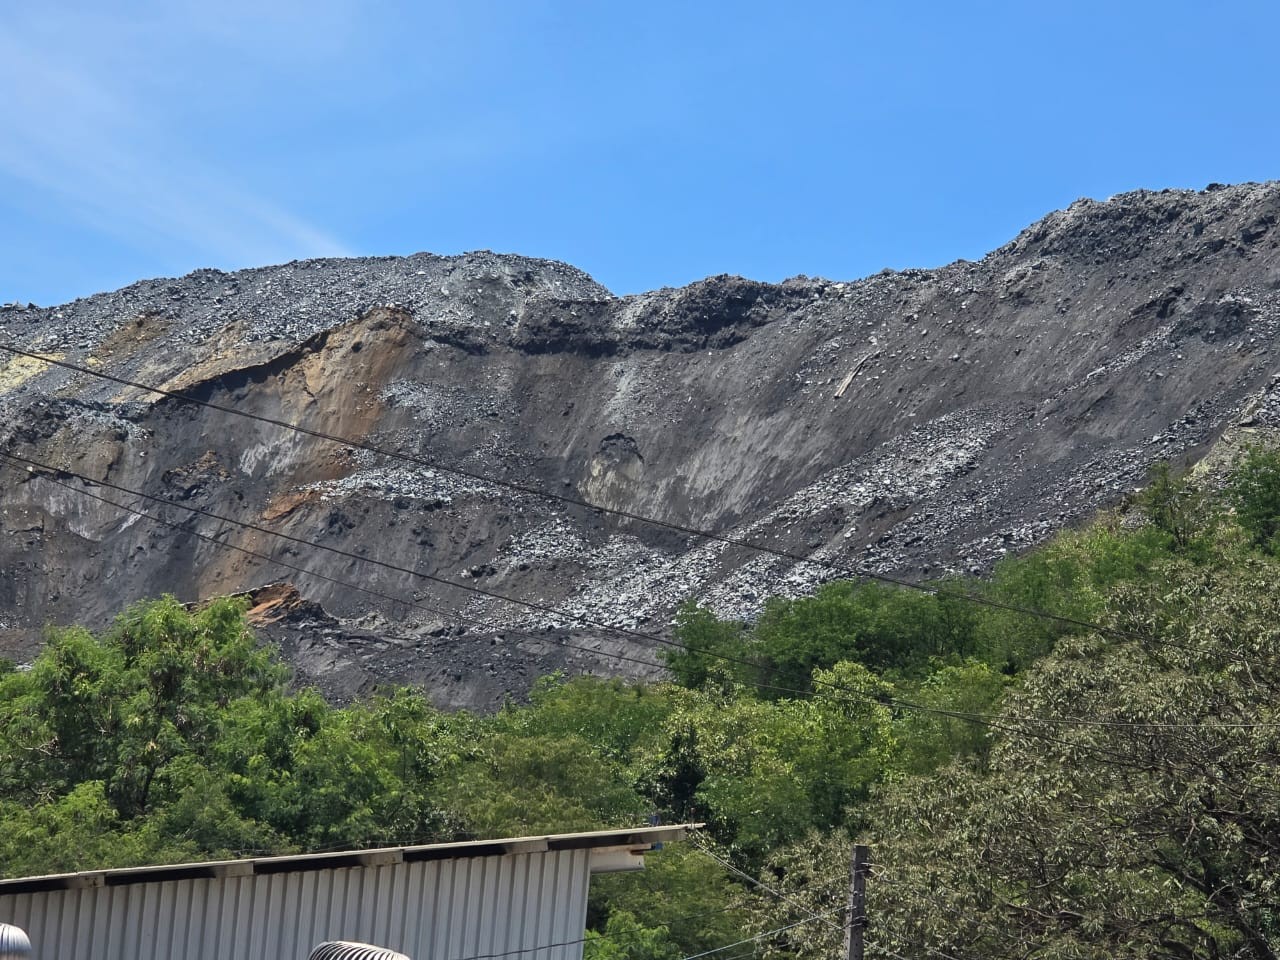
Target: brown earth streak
981	407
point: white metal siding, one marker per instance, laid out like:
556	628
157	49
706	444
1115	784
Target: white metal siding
434	910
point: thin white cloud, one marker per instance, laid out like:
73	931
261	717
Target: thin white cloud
75	133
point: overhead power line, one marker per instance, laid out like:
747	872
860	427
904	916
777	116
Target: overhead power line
582	619
845	695
859	573
742	874
21	463
856	572
851	695
978	718
306	571
685	529
706	953
993	722
766	935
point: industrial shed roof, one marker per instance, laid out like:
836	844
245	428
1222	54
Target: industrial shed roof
637	839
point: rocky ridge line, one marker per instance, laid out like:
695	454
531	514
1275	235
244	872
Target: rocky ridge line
911	423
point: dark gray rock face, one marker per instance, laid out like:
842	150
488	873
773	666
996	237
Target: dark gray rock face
909	423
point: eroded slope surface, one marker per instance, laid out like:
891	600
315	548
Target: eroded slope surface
907	423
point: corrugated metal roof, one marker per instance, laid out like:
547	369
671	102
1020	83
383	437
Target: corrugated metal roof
639	837
523	898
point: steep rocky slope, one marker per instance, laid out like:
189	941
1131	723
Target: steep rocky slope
907	423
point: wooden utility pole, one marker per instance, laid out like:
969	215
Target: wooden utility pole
855	915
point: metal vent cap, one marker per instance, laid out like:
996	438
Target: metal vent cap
345	950
14	944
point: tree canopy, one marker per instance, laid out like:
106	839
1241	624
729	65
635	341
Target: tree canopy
1100	783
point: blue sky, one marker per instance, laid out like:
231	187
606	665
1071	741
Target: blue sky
650	144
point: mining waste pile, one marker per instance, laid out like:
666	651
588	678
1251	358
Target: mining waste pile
499	408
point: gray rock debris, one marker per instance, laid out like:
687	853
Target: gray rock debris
982	406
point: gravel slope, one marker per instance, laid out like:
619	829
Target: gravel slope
909	423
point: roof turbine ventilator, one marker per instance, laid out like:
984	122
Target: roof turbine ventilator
14	944
344	950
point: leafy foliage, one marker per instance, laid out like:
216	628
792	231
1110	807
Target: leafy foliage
1176	506
708	648
1120	839
1254	491
1030	786
763	772
701	905
625	938
1128	806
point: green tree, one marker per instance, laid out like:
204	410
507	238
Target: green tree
180	670
79	830
1068	578
1175	505
120	708
540	784
203	819
619	719
366	774
1253	489
1130	806
764	772
708	648
883	627
625	938
681	888
942	729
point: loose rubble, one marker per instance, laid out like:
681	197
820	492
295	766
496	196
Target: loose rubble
914	423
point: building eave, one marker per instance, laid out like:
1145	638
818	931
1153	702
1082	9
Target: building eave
634	841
